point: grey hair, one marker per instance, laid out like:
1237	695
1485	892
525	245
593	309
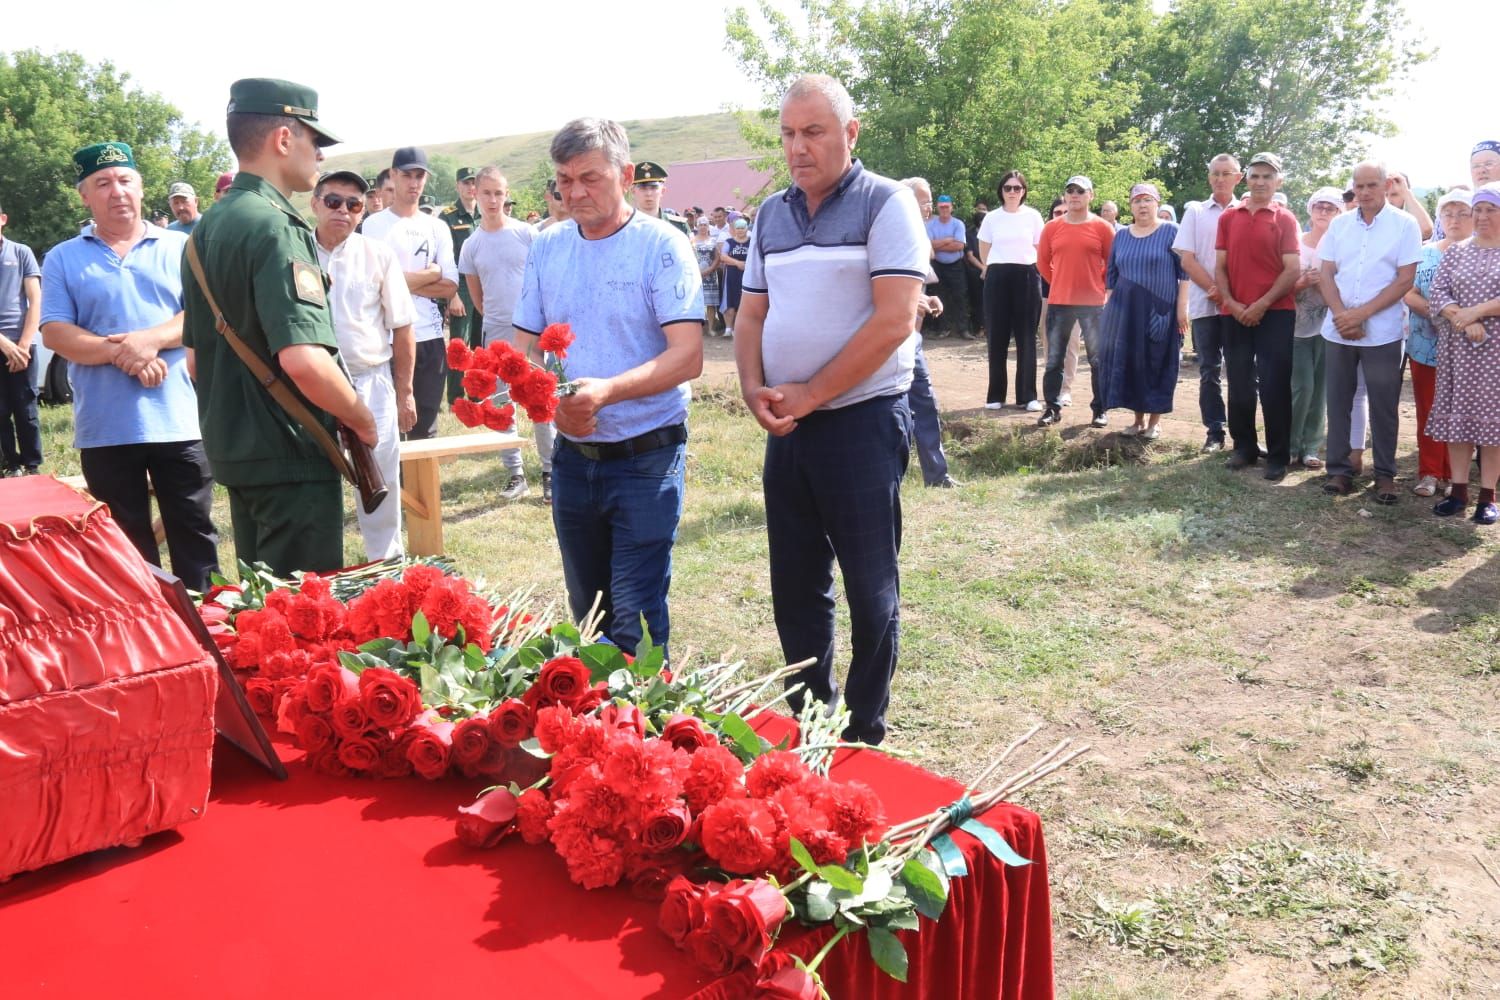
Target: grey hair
917	184
586	135
493	173
827	87
1223	157
1375	165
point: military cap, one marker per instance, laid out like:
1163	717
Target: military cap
259	96
102	156
464	174
647	172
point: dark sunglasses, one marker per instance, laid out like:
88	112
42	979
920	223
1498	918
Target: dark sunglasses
1013	187
557	196
1073	189
337	201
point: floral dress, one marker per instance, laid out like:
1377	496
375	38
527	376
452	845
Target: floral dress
705	253
1466	405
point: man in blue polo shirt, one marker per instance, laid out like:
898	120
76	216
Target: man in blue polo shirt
825	344
112	305
948	237
628	285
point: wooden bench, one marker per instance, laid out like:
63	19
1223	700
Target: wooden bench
422	487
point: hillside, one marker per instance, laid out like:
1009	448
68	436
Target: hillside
665	140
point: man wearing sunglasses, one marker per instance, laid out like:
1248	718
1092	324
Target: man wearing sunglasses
372	319
556	210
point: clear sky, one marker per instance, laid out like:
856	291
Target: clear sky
381	83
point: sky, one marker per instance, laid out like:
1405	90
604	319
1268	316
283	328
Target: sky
382	84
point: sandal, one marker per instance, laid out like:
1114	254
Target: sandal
1312	462
1385	492
1426	486
1338	486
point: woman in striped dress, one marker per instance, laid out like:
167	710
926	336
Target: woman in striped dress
1145	318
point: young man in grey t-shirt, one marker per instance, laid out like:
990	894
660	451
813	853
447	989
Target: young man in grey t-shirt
20	314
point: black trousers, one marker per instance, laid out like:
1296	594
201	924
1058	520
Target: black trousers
427	380
1258	361
953	289
1012	308
20	427
184	487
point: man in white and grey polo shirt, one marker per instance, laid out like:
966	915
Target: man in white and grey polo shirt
825	342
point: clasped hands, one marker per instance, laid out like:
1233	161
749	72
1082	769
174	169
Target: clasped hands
1470	321
136	355
17	358
777	408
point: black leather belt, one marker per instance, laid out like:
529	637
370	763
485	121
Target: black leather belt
608	451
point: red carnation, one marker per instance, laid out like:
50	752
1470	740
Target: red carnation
510	364
389	699
533	810
459	355
740	834
556	339
713	774
510	723
774	770
498	418
467	412
486	359
486	821
543	411
854	811
418	580
480	384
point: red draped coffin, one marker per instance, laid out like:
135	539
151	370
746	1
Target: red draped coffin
106	698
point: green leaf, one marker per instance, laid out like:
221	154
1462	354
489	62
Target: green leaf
430	679
650	664
602	659
928	891
566	633
841	878
902	920
645	645
533	746
420	630
888	952
817	909
746	740
474	657
531	657
802	857
350	661
379	647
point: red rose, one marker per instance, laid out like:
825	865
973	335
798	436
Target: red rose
626	718
291	704
563	680
359	753
349	718
314	734
681	910
788	983
740	834
745	917
328	684
261	692
709	952
556	339
389	699
650	874
459	354
532	813
686	732
467	412
664	830
394	762
486	821
510	723
471	740
480	384
327	763
430	749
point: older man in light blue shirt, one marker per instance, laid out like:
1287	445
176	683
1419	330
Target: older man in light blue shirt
1369	260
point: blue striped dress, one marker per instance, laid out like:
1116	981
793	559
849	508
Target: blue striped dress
1139	332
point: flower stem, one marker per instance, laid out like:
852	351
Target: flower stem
823	952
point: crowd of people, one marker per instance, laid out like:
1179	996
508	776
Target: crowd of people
230	346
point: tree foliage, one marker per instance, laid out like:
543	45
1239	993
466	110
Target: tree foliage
961	91
51	105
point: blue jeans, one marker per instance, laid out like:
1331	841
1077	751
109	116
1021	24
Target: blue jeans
616	521
926	428
1208	344
833	492
1060	320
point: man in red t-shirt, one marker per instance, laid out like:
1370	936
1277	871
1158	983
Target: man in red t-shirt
1071	257
1257	264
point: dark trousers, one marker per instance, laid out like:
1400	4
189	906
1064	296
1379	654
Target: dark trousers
833	492
1012	307
974	285
1060	320
1342	364
427	386
953	289
184	488
927	429
1208	344
289	526
1258	361
20	427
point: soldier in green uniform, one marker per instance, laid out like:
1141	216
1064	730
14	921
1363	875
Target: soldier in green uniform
260	263
462	216
646	191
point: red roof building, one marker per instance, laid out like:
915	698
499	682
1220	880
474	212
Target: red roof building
707	183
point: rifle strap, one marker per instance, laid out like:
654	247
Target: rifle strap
269	380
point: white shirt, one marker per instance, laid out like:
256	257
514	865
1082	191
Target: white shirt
368	298
418	241
1199	234
498	260
1012	236
1368	257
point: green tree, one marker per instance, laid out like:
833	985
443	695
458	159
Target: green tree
1303	78
51	105
960	91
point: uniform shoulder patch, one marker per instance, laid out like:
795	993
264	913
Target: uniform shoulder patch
307	279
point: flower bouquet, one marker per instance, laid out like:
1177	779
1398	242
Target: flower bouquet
500	372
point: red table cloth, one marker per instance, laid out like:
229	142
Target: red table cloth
326	887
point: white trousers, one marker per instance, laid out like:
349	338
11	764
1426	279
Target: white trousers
381	530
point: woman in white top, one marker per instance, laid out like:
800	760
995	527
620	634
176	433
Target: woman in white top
1012	290
1307	344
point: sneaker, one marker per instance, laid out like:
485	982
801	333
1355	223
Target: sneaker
1448	506
547	488
1486	513
1050	415
948	483
1100	420
1066	399
994	406
1151	433
1035	406
10	472
1211	444
515	488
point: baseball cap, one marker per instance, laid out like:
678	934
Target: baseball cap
1326	196
945	199
409	158
1269	159
1079	180
225	179
182	189
348	177
261	96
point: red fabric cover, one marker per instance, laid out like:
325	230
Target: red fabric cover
77	604
343	887
104	765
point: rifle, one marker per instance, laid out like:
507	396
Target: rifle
354	460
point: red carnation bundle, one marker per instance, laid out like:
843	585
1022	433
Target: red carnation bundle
535	389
